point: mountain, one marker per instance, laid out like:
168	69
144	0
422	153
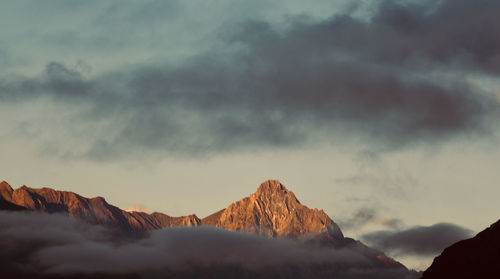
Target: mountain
477	257
93	210
274	211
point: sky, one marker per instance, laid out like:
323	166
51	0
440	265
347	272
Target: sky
382	113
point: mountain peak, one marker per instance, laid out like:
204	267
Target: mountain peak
271	187
6	191
274	211
5	185
273	191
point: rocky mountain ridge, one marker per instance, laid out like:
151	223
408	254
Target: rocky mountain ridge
93	210
272	211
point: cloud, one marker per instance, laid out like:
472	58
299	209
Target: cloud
399	78
43	245
381	178
419	241
138	208
367	215
394	183
361	217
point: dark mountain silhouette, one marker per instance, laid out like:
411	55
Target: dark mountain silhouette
477	257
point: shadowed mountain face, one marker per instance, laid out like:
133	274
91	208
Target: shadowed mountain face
5	205
477	257
93	210
274	211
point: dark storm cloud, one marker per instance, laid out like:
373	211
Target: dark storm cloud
457	32
36	244
395	79
420	241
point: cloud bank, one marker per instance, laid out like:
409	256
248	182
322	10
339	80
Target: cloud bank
418	241
53	246
404	75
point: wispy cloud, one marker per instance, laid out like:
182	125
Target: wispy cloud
368	215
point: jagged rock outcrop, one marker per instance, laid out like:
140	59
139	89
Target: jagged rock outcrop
93	210
274	211
477	257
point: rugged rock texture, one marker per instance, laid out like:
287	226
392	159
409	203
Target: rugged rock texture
274	211
93	210
477	257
